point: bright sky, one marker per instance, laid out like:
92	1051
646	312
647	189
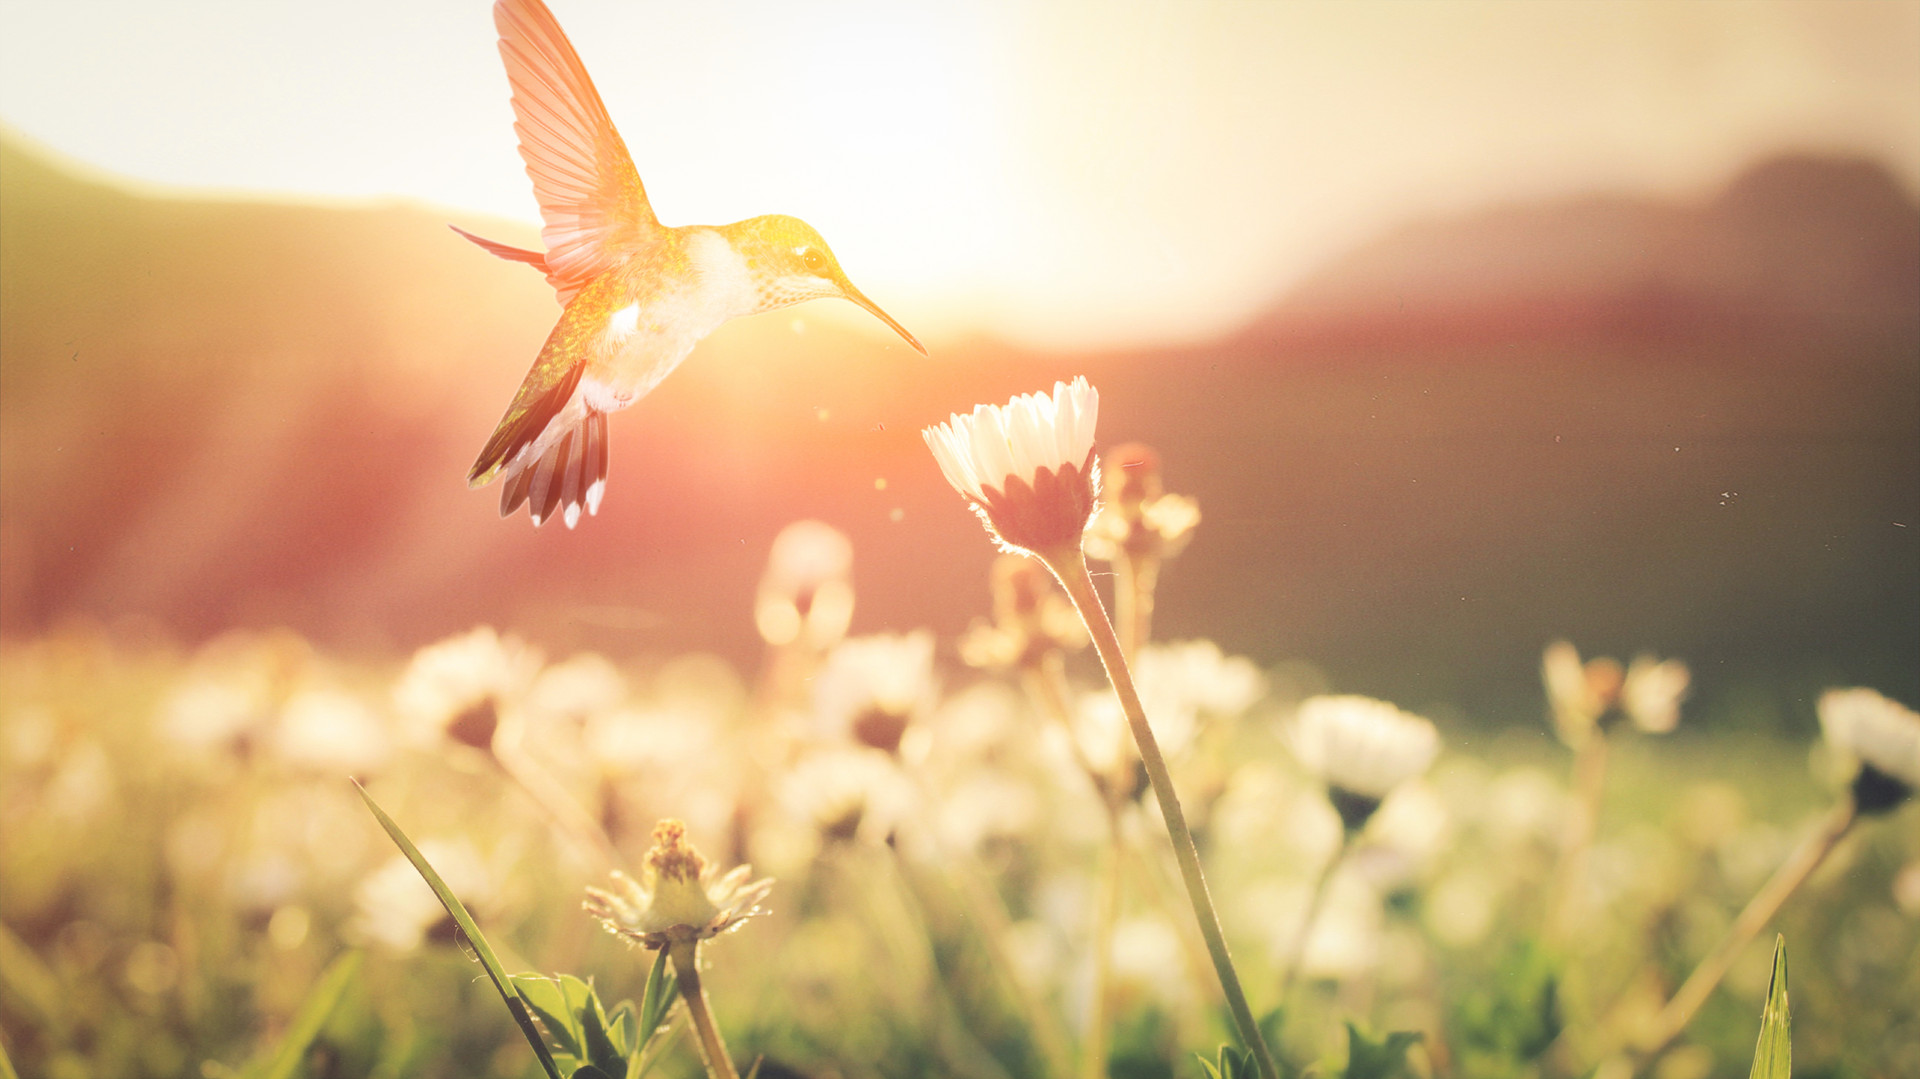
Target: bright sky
1061	173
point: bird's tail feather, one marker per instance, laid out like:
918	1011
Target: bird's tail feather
536	259
572	474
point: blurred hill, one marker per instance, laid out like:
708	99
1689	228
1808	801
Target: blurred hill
1689	428
1795	241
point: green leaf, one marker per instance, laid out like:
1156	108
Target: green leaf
308	1021
600	1050
623	1030
548	1000
1508	1011
1271	1024
1773	1056
516	1004
1230	1063
1368	1059
663	989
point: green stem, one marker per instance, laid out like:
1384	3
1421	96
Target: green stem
1046	683
1583	819
552	799
1070	567
1136	577
685	955
1759	911
1297	951
989	912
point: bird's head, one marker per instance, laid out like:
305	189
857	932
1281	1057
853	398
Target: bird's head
790	263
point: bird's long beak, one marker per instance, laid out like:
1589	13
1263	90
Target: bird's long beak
860	298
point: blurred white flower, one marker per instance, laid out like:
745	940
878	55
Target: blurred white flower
1578	693
209	709
328	729
579	687
1194	678
1137	518
680	897
806	593
1883	735
451	682
1906	889
1032	618
394	907
232	690
986	804
1027	466
669	739
1652	693
31	736
1147	958
872	687
1100	731
1361	749
263	879
1583	695
1525	805
1345	939
984	721
1407	836
1274	812
846	792
1179	685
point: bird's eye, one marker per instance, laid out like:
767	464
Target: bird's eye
814	260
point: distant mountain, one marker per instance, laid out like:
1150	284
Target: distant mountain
1792	241
1690	428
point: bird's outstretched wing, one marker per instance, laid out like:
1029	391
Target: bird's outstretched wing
595	209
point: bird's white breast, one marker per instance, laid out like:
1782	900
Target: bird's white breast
645	339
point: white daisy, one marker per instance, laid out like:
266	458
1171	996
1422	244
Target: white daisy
1883	735
1361	749
1652	693
680	897
806	593
1027	467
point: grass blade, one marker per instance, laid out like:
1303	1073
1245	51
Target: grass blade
308	1021
508	993
1773	1056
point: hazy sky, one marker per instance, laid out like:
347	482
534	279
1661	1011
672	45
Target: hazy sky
1057	172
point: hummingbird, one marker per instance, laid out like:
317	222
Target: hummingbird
636	295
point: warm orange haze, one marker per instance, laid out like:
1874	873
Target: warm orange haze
1057	174
1508	427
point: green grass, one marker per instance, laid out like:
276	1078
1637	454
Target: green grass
187	900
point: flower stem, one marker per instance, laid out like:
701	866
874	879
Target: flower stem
1070	567
1105	913
1583	817
552	799
1045	682
989	912
1136	576
686	968
1759	911
1297	951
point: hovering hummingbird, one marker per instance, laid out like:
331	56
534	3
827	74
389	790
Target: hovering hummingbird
638	295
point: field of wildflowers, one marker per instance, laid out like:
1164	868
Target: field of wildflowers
1055	846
